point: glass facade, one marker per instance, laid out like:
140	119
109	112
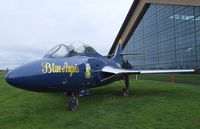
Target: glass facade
167	37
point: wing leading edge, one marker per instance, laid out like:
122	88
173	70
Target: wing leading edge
112	70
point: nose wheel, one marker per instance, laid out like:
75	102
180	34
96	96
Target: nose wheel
73	100
125	90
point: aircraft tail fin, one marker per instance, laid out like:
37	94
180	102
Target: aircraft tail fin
117	56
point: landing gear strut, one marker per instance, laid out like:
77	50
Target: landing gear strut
125	90
73	100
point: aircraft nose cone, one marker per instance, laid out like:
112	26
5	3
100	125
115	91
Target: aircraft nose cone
31	77
20	77
10	78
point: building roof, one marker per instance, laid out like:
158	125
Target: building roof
136	13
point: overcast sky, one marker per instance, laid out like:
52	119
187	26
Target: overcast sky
29	28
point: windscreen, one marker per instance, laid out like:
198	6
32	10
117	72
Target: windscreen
61	52
58	51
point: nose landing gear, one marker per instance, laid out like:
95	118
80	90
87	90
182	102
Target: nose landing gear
73	100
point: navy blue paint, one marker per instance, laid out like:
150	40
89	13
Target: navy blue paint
30	76
118	57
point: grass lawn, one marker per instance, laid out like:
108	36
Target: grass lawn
151	105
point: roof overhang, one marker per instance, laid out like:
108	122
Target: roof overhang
136	13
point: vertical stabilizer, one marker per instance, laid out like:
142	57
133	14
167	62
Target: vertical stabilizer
117	56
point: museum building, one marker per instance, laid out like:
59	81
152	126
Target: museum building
161	34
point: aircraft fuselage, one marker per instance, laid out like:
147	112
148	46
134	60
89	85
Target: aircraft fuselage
61	74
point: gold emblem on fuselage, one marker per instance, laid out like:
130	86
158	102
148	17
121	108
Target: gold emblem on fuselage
53	68
88	71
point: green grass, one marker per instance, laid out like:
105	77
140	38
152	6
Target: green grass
151	105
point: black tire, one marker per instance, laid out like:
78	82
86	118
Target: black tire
72	104
72	107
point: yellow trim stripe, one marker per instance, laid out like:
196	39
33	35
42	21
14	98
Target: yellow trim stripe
120	41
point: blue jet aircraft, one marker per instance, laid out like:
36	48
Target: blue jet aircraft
73	69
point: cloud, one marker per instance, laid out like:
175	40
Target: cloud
30	28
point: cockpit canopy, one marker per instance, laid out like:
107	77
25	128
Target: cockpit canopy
77	48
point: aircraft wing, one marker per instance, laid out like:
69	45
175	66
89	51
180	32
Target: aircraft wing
108	69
